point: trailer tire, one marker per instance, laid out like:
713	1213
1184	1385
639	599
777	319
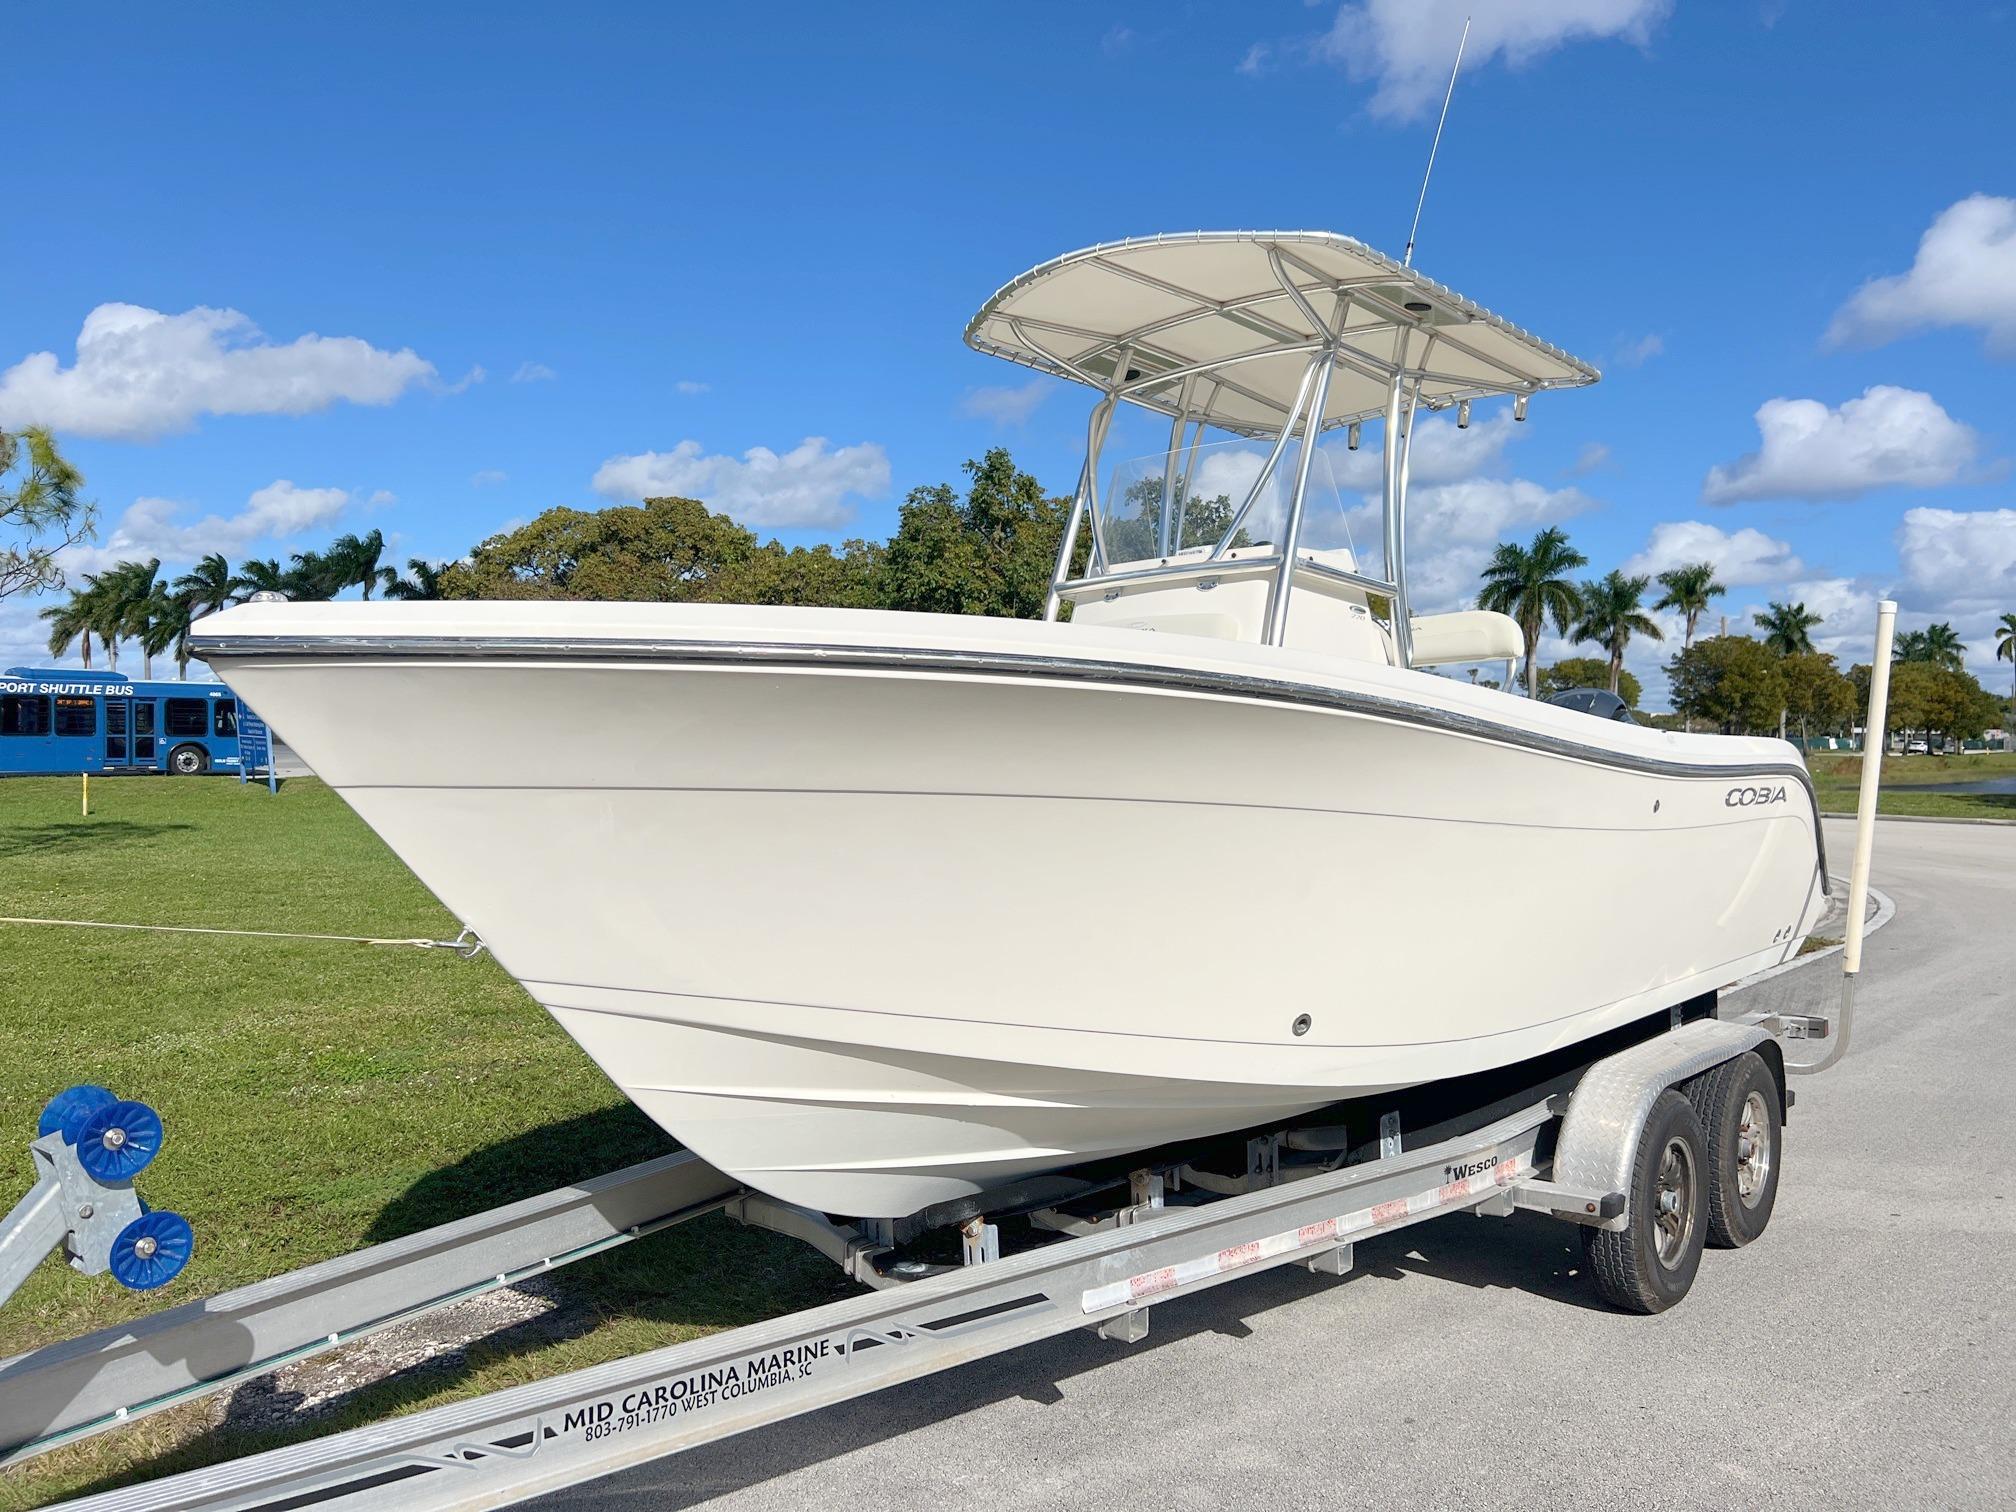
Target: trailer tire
1743	1116
1650	1263
188	761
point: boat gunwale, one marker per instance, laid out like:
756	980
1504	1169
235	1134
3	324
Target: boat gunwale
951	660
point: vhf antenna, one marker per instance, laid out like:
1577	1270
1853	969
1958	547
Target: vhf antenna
1407	261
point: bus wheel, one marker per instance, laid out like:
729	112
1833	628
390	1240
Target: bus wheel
1649	1264
188	761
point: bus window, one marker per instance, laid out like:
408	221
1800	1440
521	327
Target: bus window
227	716
76	716
115	730
143	729
24	714
184	716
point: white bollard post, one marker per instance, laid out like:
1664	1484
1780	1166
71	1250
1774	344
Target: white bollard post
1873	742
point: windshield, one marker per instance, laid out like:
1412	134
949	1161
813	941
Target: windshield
1161	503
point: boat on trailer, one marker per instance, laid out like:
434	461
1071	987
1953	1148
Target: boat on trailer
876	911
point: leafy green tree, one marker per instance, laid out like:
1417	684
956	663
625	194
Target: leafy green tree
1936	644
1787	628
1530	583
1935	701
990	553
1816	692
815	576
41	512
1613	612
1729	681
1689	589
1588	672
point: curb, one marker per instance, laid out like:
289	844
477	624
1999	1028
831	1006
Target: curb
1919	818
1886	910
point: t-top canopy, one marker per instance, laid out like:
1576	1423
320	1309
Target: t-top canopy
1235	317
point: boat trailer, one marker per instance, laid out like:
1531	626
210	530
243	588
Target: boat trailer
1103	1262
1656	1148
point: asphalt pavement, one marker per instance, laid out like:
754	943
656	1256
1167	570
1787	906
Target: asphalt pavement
1861	1353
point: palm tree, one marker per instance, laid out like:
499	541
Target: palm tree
71	623
1613	612
1944	648
2005	650
1787	628
315	575
260	575
425	582
104	612
208	586
141	596
168	620
1688	590
1530	583
354	559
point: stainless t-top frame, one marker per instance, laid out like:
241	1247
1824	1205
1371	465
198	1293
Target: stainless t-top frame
1384	324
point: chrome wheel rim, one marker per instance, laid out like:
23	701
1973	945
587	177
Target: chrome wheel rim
1673	1202
1753	1149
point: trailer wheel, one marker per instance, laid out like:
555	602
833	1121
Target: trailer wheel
1740	1112
188	761
1649	1264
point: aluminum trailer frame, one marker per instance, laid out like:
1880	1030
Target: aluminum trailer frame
529	1440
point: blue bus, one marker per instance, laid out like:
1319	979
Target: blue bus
54	722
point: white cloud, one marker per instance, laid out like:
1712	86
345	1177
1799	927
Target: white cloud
1008	405
488	477
467	381
1964	275
1593	457
1407	46
1847	610
692	386
1958	557
1637	353
1452	529
154	527
1887	436
1740	557
140	373
806	486
1118	39
1258	56
533	372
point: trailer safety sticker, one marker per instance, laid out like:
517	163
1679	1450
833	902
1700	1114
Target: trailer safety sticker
1482	1178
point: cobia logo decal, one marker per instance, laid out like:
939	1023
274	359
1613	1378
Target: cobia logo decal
1745	797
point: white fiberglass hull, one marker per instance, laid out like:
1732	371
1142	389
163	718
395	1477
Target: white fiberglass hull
876	910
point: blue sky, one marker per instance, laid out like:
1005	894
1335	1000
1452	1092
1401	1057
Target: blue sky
482	257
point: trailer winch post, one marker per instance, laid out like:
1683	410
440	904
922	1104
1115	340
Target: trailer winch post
1874	738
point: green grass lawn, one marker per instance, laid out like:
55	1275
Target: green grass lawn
318	1097
1837	776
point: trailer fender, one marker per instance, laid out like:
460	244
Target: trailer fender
1599	1136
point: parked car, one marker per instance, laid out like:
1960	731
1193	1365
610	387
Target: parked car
1917	748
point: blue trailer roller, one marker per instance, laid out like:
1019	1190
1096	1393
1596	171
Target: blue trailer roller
151	1250
118	1141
